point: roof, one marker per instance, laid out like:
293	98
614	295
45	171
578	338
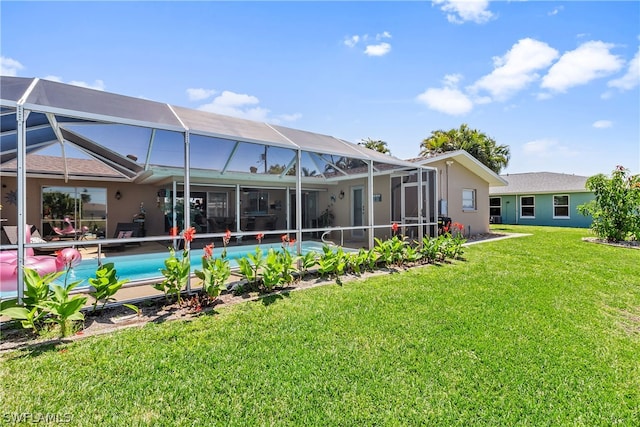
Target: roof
541	182
57	109
466	160
52	165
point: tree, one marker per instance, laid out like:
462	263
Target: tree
616	207
485	149
376	145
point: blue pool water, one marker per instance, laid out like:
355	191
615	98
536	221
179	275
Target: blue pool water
148	266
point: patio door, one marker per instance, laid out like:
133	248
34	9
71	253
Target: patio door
357	210
409	207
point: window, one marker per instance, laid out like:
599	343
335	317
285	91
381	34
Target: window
217	204
527	207
79	209
561	206
495	206
468	200
258	202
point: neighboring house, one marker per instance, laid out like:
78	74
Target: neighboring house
463	185
540	198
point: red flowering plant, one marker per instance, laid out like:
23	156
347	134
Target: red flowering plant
453	239
214	273
177	270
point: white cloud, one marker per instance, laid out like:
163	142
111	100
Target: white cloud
97	84
589	61
245	107
9	66
556	10
460	11
446	100
602	124
378	49
632	77
198	94
352	41
53	78
288	118
516	69
452	80
539	147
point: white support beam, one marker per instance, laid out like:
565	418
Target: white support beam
370	215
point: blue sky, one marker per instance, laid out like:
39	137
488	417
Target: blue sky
558	82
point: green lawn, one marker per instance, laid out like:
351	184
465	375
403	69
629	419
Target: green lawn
537	330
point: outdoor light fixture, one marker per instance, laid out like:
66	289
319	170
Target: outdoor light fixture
118	195
341	195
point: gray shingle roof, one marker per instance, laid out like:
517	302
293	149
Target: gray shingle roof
540	182
43	164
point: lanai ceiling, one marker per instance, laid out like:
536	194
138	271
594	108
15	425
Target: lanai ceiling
143	141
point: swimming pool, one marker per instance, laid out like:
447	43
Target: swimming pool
146	267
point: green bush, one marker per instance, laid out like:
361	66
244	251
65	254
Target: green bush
616	207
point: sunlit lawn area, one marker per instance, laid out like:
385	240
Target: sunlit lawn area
537	330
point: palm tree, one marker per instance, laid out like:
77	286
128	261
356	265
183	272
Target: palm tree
484	148
377	145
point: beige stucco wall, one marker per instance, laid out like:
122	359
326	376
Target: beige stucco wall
121	210
460	178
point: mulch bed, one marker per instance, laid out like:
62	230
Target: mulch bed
631	244
158	310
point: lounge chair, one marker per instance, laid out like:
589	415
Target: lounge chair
68	231
124	230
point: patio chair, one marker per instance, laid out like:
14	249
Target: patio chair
69	231
124	230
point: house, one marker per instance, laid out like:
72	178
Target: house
540	198
98	159
463	188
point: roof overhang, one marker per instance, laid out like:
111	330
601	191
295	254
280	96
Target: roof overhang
469	162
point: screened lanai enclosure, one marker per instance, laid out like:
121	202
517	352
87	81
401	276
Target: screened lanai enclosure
88	168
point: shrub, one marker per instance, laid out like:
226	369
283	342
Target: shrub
105	285
616	207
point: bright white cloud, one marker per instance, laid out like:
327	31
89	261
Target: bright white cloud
632	77
378	49
352	41
460	11
198	94
539	147
589	61
447	100
516	69
602	124
9	66
245	107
